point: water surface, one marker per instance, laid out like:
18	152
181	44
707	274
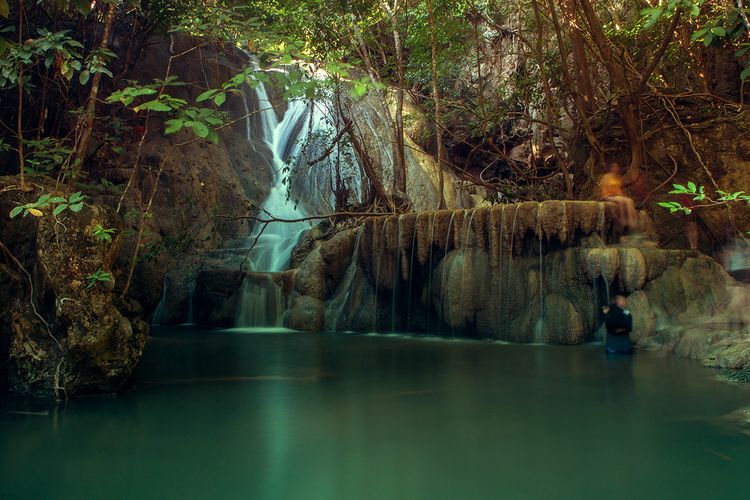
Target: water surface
301	416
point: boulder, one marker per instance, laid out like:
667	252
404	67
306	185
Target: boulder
69	334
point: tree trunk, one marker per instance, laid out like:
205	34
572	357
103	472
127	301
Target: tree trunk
552	116
399	156
19	120
436	96
597	149
86	124
583	79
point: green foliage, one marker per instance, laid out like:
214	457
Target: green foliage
74	203
96	62
44	155
698	194
736	196
103	234
652	15
674	207
98	276
201	121
53	49
60	204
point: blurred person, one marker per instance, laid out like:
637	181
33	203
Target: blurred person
619	324
611	189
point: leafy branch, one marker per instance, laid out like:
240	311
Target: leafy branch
60	204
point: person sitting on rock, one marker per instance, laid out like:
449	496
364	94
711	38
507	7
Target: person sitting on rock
611	185
619	324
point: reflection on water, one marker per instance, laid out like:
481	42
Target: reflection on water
300	416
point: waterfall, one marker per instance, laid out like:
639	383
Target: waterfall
300	138
158	317
539	327
191	293
377	280
411	271
262	302
335	309
396	273
273	242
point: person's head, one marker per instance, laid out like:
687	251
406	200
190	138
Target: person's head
620	301
614	168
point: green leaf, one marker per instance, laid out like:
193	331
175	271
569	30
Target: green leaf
16	211
718	31
691	186
205	95
58	199
359	89
59	209
153	106
213	137
745	73
653	15
698	35
76	207
220	99
708	40
83	78
200	129
173	126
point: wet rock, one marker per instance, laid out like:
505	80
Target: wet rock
217	296
644	316
306	314
205	190
72	336
336	254
632	272
562	322
733	354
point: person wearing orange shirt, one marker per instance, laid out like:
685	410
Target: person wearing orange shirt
611	186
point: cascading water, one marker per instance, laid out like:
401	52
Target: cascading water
539	327
261	302
298	136
336	308
273	242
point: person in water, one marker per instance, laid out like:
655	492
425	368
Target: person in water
619	324
611	186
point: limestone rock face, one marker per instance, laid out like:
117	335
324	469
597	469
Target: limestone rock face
204	189
728	162
306	314
633	272
563	322
369	118
307	301
70	335
531	272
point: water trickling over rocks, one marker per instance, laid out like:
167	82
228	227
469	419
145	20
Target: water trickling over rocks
528	272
